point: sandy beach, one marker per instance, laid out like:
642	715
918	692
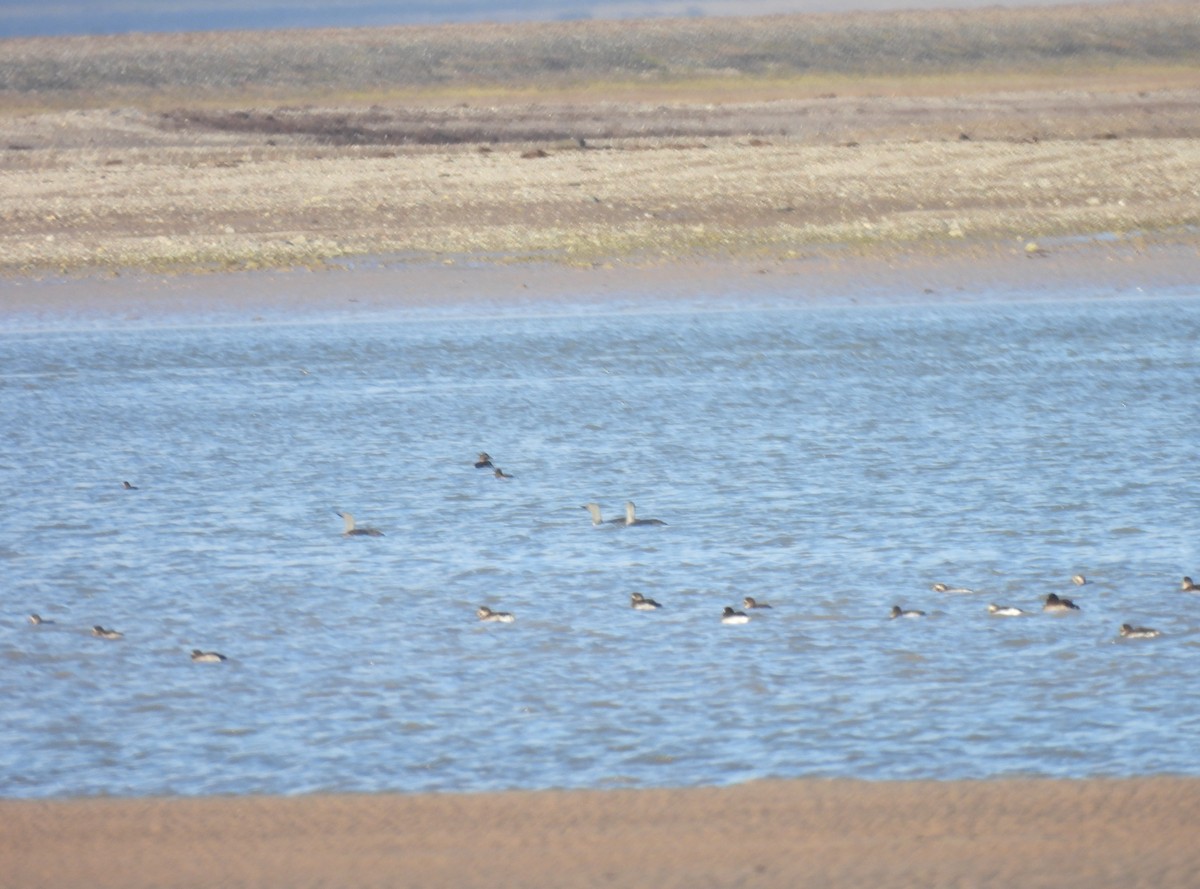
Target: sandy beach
1094	834
149	177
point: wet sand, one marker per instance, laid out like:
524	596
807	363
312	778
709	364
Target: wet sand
1060	834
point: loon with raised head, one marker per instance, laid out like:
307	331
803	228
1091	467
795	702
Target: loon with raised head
353	530
1055	604
1188	586
946	588
638	602
102	633
632	519
597	519
729	616
495	617
500	473
750	603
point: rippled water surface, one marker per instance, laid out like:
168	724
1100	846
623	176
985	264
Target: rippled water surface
832	461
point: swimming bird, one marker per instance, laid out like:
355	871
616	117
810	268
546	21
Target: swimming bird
750	602
128	487
1131	632
729	616
102	633
500	473
897	611
1055	604
946	588
1006	611
1188	587
37	620
495	617
353	531
483	461
1078	579
638	602
207	657
594	509
632	519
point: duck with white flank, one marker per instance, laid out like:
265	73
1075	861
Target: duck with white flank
729	616
750	603
353	530
638	602
483	461
897	611
493	617
102	633
1131	632
1006	611
1138	632
632	519
597	519
1056	605
207	657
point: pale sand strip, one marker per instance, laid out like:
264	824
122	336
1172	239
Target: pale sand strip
1009	833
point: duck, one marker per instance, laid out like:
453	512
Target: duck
102	633
1055	604
1188	586
129	487
1006	610
1132	632
638	602
946	588
500	473
207	657
483	461
632	519
597	519
897	611
729	616
495	617
353	531
1078	579
750	603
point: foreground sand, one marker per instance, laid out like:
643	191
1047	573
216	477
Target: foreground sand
786	834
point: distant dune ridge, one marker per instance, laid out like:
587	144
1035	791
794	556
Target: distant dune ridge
588	143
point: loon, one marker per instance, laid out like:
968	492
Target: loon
632	519
483	461
352	531
37	620
897	611
638	602
594	509
207	657
128	487
1054	603
1130	632
500	473
496	617
1188	586
729	616
946	588
1006	611
98	630
750	602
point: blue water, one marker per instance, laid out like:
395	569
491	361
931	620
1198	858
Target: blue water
833	461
